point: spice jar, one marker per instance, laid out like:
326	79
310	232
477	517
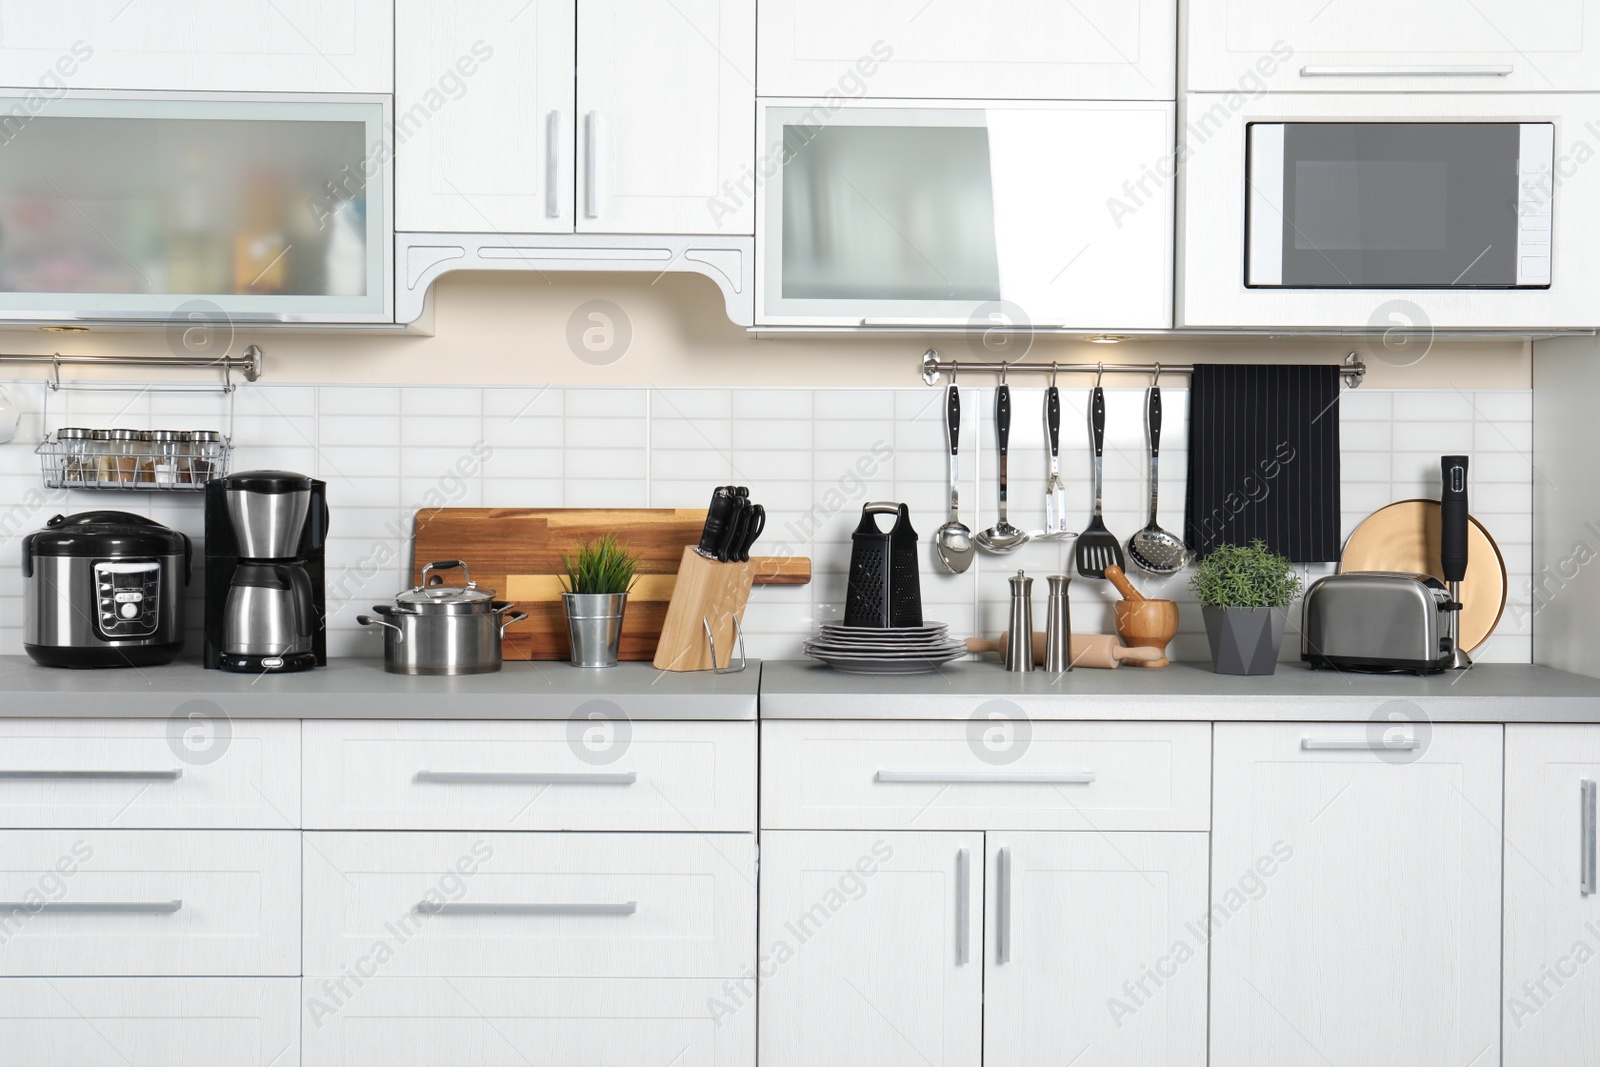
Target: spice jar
205	454
166	457
120	466
73	467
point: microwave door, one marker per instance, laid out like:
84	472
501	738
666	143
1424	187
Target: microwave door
1398	205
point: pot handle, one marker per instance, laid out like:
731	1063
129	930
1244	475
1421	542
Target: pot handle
368	620
507	620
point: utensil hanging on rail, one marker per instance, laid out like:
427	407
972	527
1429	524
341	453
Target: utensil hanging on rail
1097	546
1152	548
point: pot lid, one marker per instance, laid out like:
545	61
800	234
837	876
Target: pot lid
434	595
105	534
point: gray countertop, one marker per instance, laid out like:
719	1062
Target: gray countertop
360	689
792	689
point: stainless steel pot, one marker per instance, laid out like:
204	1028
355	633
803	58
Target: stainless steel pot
438	629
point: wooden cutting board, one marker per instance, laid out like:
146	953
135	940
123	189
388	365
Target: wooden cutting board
517	553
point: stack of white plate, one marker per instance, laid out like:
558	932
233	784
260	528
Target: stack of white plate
889	650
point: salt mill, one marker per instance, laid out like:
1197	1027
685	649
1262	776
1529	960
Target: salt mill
1058	627
1019	653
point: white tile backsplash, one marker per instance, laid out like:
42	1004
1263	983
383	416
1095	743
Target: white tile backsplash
813	456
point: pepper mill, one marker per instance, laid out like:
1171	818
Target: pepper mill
1019	654
1058	626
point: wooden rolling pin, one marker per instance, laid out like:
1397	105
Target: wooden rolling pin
1088	650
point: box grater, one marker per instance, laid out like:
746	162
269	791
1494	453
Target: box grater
885	587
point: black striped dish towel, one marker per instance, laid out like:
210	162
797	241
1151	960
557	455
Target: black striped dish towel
1264	459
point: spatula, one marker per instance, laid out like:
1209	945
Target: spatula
1097	547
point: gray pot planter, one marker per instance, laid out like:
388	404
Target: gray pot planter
1244	640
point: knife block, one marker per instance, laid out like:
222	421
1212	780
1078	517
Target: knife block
706	592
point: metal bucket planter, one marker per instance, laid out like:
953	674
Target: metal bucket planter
594	622
1244	640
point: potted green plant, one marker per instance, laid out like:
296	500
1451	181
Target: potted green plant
1244	592
597	583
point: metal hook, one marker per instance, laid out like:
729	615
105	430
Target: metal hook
955	369
55	372
1002	372
1052	374
1156	383
1099	372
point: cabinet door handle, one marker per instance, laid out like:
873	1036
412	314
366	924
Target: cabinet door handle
90	907
591	163
552	165
989	777
530	778
1586	856
1312	744
1424	70
91	776
963	905
430	908
1003	927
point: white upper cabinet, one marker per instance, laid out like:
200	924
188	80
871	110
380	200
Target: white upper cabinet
666	101
1378	45
309	46
1552	917
484	116
1355	892
1003	49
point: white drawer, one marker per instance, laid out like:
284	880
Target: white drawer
149	902
149	1022
563	775
530	905
974	775
131	774
529	1022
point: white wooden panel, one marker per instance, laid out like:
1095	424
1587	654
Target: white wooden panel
1211	244
475	88
1375	939
670	86
522	1022
862	949
693	898
1543	47
309	46
1016	49
150	1022
1552	933
230	775
239	891
698	776
1106	955
1146	776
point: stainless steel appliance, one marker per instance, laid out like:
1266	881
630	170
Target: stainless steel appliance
265	598
104	589
1399	205
440	629
1378	620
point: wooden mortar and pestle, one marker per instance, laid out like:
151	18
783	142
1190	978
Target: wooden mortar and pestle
1088	650
1143	623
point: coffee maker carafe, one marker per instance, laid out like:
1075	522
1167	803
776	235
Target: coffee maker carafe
266	533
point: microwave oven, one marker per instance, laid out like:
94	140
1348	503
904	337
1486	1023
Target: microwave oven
1399	205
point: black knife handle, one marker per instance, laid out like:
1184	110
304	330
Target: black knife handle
1052	419
1152	418
1453	517
1097	421
952	416
1002	418
756	524
717	516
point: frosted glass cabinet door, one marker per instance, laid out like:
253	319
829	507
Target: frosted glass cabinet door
932	215
666	102
484	116
267	208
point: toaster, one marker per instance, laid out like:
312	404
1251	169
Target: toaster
1377	621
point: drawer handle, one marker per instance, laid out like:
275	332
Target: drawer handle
1312	744
428	908
963	905
1586	856
531	778
989	777
1004	925
88	907
91	776
1427	70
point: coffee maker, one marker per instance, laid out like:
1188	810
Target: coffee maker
266	601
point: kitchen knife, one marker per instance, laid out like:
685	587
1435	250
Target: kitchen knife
737	524
754	524
718	515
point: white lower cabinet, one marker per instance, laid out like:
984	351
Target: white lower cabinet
1356	890
875	949
1552	906
149	1022
1096	951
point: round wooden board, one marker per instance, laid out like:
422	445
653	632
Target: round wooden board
1405	537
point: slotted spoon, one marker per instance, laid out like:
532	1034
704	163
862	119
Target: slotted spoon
1097	546
1152	548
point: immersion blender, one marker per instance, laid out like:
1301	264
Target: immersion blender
1453	548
